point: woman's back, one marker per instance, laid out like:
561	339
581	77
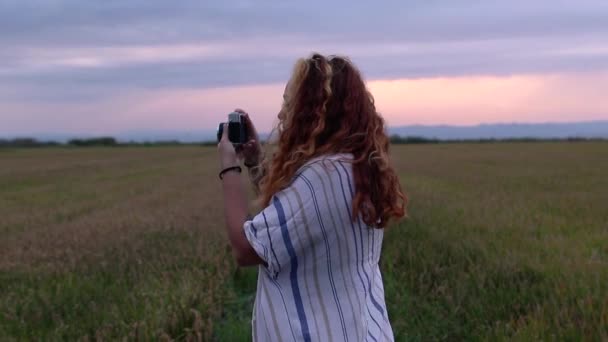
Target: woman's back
321	280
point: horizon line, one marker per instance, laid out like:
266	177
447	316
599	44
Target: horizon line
37	135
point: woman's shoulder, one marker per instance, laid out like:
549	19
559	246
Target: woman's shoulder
328	159
320	177
326	167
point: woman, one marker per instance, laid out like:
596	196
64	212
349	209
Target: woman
328	192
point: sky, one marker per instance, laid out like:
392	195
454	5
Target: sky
115	66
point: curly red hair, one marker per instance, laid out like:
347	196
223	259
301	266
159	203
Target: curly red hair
328	109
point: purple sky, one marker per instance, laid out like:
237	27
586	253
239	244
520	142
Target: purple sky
106	67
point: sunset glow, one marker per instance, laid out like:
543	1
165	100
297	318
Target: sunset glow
183	67
430	101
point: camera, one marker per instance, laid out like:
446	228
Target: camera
237	129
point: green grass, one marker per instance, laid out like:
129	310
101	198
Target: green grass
504	241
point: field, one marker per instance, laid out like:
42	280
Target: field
504	241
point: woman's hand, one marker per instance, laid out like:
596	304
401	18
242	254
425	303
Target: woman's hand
226	151
250	152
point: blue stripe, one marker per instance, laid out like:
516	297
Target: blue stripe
355	239
270	241
266	256
310	165
293	273
373	243
255	230
276	283
328	251
376	304
373	232
351	225
344	230
372	336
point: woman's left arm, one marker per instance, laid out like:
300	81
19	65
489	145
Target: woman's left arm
235	205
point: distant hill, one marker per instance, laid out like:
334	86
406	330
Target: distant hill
594	129
591	129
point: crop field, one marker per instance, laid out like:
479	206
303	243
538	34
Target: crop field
503	241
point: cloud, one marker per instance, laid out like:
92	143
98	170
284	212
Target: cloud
484	99
58	34
68	53
441	100
119	22
267	61
153	109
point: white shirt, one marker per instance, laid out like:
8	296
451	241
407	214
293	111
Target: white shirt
321	281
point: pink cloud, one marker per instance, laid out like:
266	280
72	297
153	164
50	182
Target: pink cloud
455	101
473	100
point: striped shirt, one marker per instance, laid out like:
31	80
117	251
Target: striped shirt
321	280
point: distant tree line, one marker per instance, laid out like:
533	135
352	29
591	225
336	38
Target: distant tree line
394	139
33	142
26	142
101	141
398	139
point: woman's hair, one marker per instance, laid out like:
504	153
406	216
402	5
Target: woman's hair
328	109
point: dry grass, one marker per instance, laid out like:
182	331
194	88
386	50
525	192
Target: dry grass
504	241
108	242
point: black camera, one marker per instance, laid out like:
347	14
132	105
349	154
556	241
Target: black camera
237	129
